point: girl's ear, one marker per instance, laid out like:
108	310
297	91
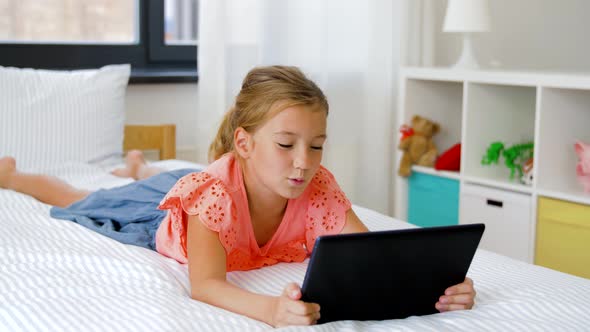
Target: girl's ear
242	142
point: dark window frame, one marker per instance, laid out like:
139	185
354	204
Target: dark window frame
151	60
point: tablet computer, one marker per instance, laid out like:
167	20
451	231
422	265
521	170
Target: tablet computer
387	274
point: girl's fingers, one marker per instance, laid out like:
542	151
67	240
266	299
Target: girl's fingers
303	308
450	307
464	287
456	299
309	319
292	291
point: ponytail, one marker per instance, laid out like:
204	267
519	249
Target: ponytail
224	140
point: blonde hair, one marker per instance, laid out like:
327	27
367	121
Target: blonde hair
265	92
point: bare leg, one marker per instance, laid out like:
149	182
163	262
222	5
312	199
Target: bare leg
47	189
136	167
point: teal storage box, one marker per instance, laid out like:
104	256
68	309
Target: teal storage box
432	200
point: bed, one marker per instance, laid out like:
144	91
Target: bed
56	275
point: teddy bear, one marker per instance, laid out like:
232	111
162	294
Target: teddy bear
417	144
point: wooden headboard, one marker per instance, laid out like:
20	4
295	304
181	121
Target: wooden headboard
152	137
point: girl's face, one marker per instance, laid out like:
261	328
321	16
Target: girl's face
287	150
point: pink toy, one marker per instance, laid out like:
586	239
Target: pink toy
583	166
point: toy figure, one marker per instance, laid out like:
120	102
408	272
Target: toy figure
514	156
583	166
417	144
527	168
493	153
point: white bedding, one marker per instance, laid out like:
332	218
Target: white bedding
58	276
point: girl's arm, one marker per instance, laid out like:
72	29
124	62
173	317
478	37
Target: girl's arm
457	297
207	273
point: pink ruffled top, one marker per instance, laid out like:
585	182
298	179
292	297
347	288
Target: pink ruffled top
217	195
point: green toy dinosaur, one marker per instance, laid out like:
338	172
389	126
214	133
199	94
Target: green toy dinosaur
514	156
493	153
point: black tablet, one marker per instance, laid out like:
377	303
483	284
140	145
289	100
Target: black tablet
387	274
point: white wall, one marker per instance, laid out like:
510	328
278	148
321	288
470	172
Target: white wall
167	103
526	34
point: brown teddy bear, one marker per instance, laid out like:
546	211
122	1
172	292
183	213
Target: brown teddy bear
417	145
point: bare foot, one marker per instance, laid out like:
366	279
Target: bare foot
133	163
7	168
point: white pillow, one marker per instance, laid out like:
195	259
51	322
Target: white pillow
48	117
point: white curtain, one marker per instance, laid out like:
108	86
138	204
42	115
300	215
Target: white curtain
350	48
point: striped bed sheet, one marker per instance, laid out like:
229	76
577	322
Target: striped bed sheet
58	276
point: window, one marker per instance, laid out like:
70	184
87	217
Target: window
180	23
157	37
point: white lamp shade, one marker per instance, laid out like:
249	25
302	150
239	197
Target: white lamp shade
467	16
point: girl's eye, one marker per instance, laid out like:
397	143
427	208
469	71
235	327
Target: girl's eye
288	146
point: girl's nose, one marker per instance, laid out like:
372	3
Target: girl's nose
301	160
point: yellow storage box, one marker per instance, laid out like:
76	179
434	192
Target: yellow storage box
563	236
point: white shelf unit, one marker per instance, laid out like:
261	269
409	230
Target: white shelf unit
478	107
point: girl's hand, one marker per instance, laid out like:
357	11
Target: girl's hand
458	297
287	309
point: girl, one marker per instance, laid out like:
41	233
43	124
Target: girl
264	199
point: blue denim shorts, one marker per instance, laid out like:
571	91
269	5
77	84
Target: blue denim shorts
128	214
